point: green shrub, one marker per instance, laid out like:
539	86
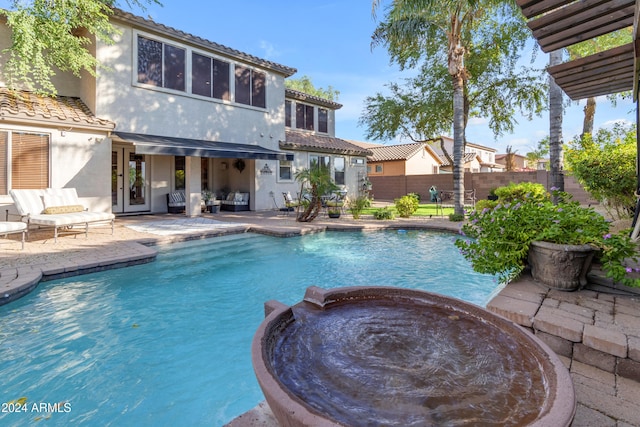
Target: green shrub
520	191
357	206
416	195
456	217
384	213
485	204
605	164
407	205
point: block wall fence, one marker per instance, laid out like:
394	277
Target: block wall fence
388	188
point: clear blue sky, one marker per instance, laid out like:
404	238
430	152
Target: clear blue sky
329	41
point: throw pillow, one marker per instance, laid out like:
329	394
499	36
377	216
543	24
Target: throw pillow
63	209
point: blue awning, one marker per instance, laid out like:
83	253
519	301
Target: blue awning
173	146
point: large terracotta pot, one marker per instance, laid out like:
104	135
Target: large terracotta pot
563	267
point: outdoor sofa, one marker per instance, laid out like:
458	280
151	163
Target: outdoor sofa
176	202
235	201
56	207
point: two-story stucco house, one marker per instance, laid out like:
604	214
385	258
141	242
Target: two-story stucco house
170	111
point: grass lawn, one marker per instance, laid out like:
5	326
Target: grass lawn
423	210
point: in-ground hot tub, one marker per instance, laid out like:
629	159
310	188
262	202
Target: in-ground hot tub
401	357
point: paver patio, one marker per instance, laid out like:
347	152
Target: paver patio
595	332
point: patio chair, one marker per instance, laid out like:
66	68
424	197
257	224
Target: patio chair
289	202
10	227
336	201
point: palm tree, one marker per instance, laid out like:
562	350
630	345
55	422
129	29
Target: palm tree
556	110
317	181
411	19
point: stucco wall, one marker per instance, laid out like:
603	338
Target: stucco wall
158	111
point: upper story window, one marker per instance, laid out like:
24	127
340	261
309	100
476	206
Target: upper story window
161	64
250	86
323	120
181	68
304	116
287	113
210	77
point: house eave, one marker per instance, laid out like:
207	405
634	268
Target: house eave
139	22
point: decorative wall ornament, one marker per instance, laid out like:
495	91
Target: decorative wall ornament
239	164
266	170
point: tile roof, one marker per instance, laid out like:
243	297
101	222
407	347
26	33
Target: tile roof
468	157
307	141
367	145
64	110
301	96
150	25
395	152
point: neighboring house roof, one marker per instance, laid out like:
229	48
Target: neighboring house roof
449	141
67	111
387	153
367	145
307	141
468	157
149	25
503	156
301	96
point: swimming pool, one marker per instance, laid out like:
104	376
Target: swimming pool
169	342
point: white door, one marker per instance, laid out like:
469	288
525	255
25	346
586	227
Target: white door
129	181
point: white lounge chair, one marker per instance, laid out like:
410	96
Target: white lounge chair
56	207
10	227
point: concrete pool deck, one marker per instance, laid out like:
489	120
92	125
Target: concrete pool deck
596	332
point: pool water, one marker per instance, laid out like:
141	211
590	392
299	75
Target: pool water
169	342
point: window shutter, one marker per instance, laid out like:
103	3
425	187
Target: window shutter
29	161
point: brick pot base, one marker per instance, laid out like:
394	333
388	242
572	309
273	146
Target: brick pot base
562	267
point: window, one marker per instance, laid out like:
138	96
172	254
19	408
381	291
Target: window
250	87
285	170
378	168
287	113
204	173
338	170
161	64
28	164
357	161
179	162
319	161
174	68
323	120
304	116
210	77
165	65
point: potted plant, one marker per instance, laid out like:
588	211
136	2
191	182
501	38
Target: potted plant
333	213
531	230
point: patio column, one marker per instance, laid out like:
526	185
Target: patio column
192	190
